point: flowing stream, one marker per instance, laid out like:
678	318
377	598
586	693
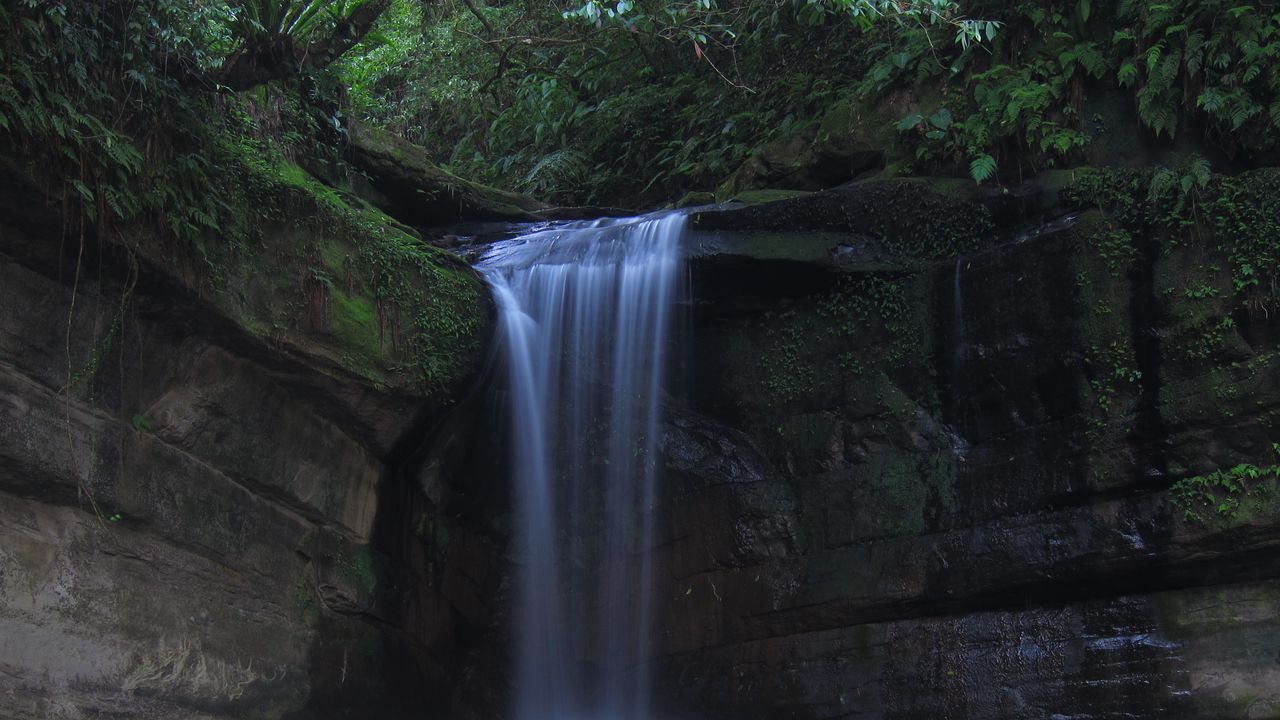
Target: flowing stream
585	310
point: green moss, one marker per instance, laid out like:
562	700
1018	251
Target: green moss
801	247
691	199
336	256
838	122
390	307
760	197
354	320
1188	615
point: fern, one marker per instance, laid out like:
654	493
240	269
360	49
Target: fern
1127	75
1200	172
1154	54
982	168
555	169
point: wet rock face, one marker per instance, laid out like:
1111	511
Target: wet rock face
945	488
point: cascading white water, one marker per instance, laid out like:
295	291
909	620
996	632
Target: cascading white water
585	310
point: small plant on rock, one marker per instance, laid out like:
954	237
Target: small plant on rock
1222	493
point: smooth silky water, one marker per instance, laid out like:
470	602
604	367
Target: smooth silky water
585	310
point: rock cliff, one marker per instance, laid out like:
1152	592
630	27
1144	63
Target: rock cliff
208	466
940	452
947	457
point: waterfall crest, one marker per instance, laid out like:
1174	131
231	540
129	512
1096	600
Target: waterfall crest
585	310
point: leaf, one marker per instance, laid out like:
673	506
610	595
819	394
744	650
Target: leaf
1127	74
941	119
909	122
1154	53
83	189
982	167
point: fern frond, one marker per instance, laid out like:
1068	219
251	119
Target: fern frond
982	167
1154	53
1127	75
1200	171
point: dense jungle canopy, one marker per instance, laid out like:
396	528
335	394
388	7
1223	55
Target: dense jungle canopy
631	103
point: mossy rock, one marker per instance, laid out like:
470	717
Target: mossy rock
419	192
882	219
341	282
760	197
692	199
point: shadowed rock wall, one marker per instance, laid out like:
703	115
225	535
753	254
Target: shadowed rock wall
933	478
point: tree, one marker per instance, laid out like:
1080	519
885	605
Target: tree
284	38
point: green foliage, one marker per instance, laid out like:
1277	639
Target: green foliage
1224	493
1244	212
1115	247
787	374
88	85
299	19
861	303
654	98
108	95
699	20
982	167
1113	372
1236	216
1208	62
636	109
860	312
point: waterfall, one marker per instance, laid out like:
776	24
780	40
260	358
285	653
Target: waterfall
584	313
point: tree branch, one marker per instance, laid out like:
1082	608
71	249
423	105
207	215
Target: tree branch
488	26
262	60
